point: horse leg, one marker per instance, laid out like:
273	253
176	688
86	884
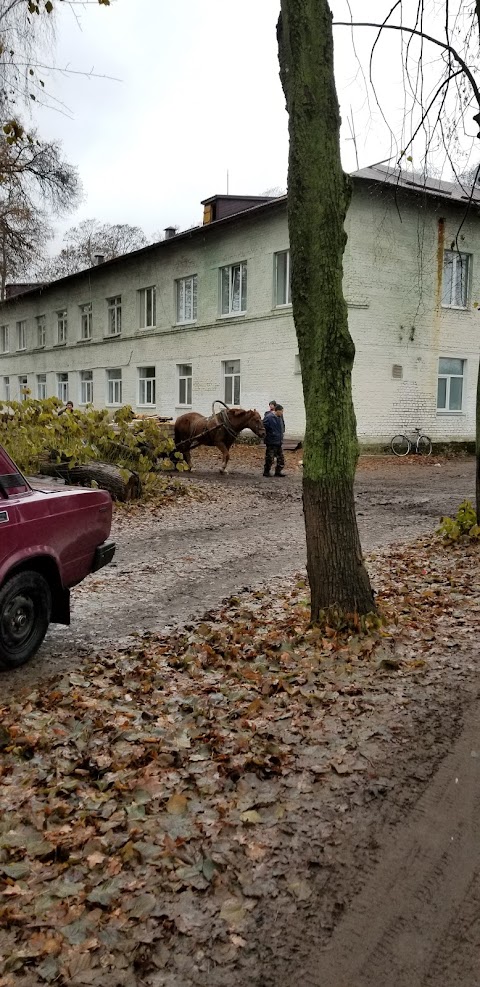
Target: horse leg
226	456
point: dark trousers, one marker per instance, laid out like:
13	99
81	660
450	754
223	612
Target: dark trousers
272	453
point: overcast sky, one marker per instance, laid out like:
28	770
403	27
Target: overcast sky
198	95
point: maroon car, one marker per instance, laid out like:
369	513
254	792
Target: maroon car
49	541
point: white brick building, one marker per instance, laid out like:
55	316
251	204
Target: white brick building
206	314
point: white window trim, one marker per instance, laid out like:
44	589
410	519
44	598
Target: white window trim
5	338
280	305
114	381
143	307
447	377
185	322
232	376
42	383
64	385
22	396
41	325
82	382
180	377
146	404
457	254
23	323
114	306
228	267
86	313
62	319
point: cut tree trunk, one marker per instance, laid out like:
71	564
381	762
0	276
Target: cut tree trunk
122	484
477	449
318	198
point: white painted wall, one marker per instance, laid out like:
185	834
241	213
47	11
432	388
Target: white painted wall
391	285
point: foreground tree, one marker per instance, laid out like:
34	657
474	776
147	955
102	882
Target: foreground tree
84	242
318	198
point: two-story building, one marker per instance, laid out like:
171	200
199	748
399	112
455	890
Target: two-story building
207	314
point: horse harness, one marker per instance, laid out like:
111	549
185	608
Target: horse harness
223	423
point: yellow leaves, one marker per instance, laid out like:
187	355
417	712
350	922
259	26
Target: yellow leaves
251	817
177	805
233	912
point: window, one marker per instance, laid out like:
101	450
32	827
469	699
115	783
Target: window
187	299
114	386
62	327
148	308
146	385
23	387
231	374
62	387
185	384
41	331
21	335
114	314
234	289
4	343
450	384
86	387
6	388
456	273
86	321
297	367
41	386
282	278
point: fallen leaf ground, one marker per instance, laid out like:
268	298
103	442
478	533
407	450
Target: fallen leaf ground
173	815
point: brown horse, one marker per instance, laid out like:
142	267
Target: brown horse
219	430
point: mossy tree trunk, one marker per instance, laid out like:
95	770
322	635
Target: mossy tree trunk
318	198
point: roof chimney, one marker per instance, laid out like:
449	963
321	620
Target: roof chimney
170	232
99	258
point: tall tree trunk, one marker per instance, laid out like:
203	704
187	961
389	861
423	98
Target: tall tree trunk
477	429
318	198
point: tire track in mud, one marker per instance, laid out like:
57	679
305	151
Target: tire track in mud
407	927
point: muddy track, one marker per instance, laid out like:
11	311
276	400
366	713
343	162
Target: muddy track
416	922
175	563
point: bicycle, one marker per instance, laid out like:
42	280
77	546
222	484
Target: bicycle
401	444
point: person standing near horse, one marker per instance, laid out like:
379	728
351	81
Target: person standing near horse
274	429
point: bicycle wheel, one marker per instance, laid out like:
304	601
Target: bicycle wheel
424	445
400	445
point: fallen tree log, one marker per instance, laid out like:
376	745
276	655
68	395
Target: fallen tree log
122	484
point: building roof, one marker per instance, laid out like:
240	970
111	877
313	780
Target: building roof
436	187
374	174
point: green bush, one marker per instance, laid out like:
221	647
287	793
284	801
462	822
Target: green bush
34	433
463	526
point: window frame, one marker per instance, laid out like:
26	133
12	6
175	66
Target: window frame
232	376
145	382
41	382
186	380
82	398
456	256
41	323
23	383
179	321
143	296
288	302
5	338
21	326
62	326
448	377
86	321
115	381
114	315
63	384
232	313
7	388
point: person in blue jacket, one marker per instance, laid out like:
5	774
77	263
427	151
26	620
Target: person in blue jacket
274	429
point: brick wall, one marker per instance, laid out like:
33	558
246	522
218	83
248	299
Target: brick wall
391	285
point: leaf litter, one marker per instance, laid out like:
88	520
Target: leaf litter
156	804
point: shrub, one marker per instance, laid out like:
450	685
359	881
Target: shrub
463	526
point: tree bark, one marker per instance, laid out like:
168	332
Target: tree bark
121	484
318	198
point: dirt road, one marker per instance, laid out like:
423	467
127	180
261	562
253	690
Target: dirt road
183	559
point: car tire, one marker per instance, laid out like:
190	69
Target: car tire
25	611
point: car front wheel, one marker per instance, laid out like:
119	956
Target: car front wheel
25	610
